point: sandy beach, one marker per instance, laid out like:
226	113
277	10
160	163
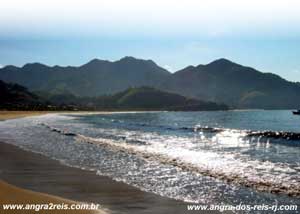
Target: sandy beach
40	174
5	115
10	194
38	179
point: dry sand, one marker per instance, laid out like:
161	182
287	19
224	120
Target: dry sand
10	194
5	115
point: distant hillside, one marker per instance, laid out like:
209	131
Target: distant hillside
97	77
235	85
153	99
16	96
221	81
143	98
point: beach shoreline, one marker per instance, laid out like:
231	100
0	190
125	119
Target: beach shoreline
46	179
35	172
8	115
10	194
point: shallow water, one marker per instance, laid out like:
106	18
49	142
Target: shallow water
231	157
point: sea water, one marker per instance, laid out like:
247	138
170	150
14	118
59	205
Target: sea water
217	157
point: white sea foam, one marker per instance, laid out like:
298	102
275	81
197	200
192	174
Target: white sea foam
228	167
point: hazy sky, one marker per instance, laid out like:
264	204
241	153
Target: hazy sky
263	34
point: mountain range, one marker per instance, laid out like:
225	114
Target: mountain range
220	81
97	77
236	85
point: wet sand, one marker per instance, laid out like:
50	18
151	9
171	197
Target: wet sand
37	173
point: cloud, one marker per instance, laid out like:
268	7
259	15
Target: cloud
1	66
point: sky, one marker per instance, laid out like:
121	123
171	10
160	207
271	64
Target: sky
264	34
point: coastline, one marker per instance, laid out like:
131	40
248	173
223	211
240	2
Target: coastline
15	195
6	115
38	173
40	179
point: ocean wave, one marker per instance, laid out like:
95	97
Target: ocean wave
208	163
258	183
290	136
66	132
275	135
286	136
60	131
166	127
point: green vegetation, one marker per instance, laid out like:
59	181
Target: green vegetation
152	99
16	97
